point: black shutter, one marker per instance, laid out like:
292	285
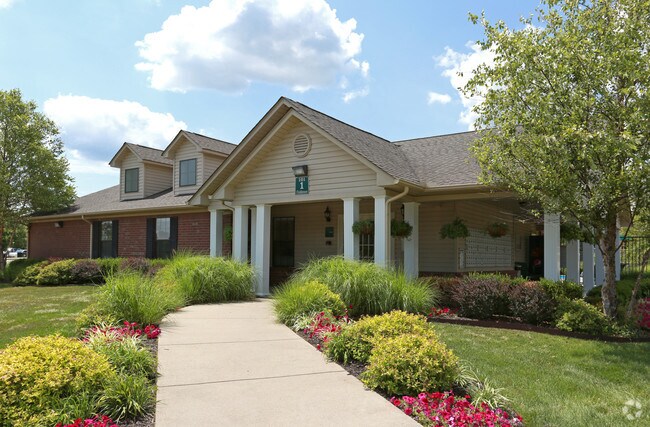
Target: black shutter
114	237
97	239
173	234
151	237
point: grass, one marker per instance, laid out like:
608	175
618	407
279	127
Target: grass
557	381
41	311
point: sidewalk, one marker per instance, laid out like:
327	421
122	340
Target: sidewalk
233	365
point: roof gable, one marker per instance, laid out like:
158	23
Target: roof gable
144	154
201	142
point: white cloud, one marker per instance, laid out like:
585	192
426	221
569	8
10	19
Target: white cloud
349	96
6	4
94	129
230	44
440	98
459	68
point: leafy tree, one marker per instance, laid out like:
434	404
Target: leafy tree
565	119
33	172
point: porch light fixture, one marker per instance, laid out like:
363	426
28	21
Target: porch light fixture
300	170
327	214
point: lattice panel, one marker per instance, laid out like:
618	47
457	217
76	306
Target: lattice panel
482	250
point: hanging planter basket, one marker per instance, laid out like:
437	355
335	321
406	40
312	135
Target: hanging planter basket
454	230
497	229
227	233
400	229
363	227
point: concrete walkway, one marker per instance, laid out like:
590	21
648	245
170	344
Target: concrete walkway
233	365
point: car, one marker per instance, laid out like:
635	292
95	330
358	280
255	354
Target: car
21	253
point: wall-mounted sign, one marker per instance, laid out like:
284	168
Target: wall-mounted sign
302	185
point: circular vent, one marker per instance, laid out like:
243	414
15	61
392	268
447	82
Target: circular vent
302	145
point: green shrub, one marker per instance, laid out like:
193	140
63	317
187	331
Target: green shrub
80	405
368	288
580	316
127	397
481	390
15	267
109	266
481	296
137	298
86	271
410	364
94	315
562	289
29	274
202	279
294	300
39	372
125	354
531	303
56	273
356	341
445	286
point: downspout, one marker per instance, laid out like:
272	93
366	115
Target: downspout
390	241
90	252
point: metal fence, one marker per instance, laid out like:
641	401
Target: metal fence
632	251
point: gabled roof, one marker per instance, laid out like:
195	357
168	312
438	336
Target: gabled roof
441	161
108	201
378	151
145	154
202	142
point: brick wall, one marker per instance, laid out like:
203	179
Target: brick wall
73	239
70	241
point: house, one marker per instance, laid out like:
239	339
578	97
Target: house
292	190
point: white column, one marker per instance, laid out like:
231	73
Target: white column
262	249
573	261
382	222
600	268
240	233
412	244
350	240
253	220
588	280
216	233
552	246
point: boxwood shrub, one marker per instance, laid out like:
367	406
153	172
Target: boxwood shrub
15	267
295	300
580	316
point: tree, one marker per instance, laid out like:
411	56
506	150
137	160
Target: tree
33	172
642	227
565	119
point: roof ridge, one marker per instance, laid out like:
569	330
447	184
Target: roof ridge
210	137
144	146
432	136
335	119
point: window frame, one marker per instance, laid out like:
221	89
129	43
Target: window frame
126	180
180	172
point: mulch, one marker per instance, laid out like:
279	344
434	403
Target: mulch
503	324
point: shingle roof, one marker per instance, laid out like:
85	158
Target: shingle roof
442	160
212	144
149	154
378	151
108	200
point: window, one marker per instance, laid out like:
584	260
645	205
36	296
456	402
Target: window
104	239
161	237
187	172
367	247
132	180
283	242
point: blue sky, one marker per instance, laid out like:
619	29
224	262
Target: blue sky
109	71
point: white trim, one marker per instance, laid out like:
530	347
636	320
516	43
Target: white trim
262	249
382	224
350	240
552	246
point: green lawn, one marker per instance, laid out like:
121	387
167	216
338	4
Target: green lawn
33	310
557	381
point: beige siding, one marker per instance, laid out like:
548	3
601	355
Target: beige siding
157	179
269	176
186	151
130	162
210	164
437	255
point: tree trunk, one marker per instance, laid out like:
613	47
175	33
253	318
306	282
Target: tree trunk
608	248
637	286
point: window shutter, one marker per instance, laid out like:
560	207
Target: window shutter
173	233
114	237
151	237
97	239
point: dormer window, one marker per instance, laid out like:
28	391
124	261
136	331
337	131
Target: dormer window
187	172
132	180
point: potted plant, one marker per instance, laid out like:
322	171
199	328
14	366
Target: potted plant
227	233
454	230
400	228
366	226
497	229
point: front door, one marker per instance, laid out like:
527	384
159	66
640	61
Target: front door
283	245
